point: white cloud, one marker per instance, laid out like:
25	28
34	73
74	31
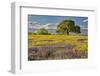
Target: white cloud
85	20
33	25
32	22
50	25
36	25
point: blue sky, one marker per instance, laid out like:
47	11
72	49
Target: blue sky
37	21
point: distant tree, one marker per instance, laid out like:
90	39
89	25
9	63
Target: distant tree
42	31
32	33
65	27
77	29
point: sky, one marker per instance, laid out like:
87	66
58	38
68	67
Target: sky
51	22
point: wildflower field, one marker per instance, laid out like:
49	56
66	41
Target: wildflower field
57	46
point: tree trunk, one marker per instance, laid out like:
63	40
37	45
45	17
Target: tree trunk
67	33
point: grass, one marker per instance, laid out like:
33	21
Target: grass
57	47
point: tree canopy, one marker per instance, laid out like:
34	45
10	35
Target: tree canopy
42	31
66	26
77	29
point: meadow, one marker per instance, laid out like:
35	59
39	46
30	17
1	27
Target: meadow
57	46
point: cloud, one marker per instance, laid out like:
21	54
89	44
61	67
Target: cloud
33	25
50	25
36	25
85	20
32	22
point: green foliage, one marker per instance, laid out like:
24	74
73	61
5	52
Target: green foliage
31	33
42	31
77	29
65	27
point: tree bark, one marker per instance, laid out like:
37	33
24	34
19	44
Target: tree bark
67	33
